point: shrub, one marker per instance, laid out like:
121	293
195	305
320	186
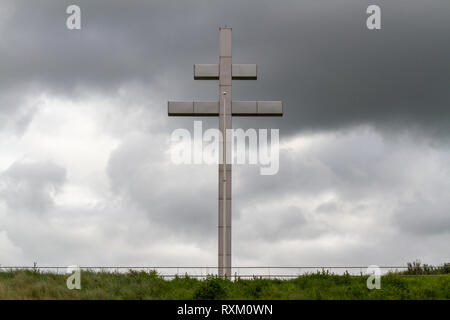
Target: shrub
416	268
210	289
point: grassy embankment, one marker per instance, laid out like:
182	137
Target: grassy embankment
412	284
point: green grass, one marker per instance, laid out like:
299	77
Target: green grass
141	285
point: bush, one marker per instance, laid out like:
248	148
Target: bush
416	268
210	289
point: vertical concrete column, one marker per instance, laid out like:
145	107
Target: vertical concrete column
225	112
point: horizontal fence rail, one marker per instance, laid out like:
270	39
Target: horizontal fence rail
170	272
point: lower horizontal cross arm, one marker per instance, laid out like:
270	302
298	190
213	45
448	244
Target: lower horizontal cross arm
211	108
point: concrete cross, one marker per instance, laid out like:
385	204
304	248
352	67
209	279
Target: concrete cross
225	108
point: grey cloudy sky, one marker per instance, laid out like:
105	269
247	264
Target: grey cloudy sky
85	171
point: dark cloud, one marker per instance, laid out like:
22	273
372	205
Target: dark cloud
319	58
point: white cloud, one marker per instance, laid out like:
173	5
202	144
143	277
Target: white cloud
10	254
340	197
